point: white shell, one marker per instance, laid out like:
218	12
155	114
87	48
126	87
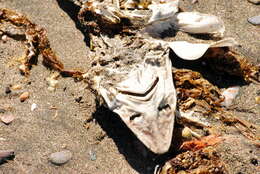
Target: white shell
193	51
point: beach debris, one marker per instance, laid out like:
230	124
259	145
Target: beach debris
7	118
229	94
254	1
255	20
6	155
52	81
33	106
136	4
92	155
189	22
224	60
197	50
59	158
206	160
194	93
197	23
19	27
24	96
195	145
163	10
101	17
145	100
16	87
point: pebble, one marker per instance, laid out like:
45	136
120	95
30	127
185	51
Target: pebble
92	155
254	1
59	158
4	38
255	20
33	106
186	133
8	90
7	118
24	96
6	154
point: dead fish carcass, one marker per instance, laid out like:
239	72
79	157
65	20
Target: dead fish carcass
140	90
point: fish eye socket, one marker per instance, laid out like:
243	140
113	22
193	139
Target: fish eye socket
161	107
134	116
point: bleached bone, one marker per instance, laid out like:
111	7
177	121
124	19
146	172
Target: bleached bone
195	22
193	51
190	22
146	102
163	10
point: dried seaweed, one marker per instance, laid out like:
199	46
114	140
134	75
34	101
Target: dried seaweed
192	89
203	161
35	38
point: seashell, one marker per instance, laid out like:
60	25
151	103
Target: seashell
193	51
163	10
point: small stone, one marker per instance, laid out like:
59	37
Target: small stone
92	155
254	1
59	158
23	69
6	154
24	96
7	118
33	106
8	90
255	20
4	38
186	133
